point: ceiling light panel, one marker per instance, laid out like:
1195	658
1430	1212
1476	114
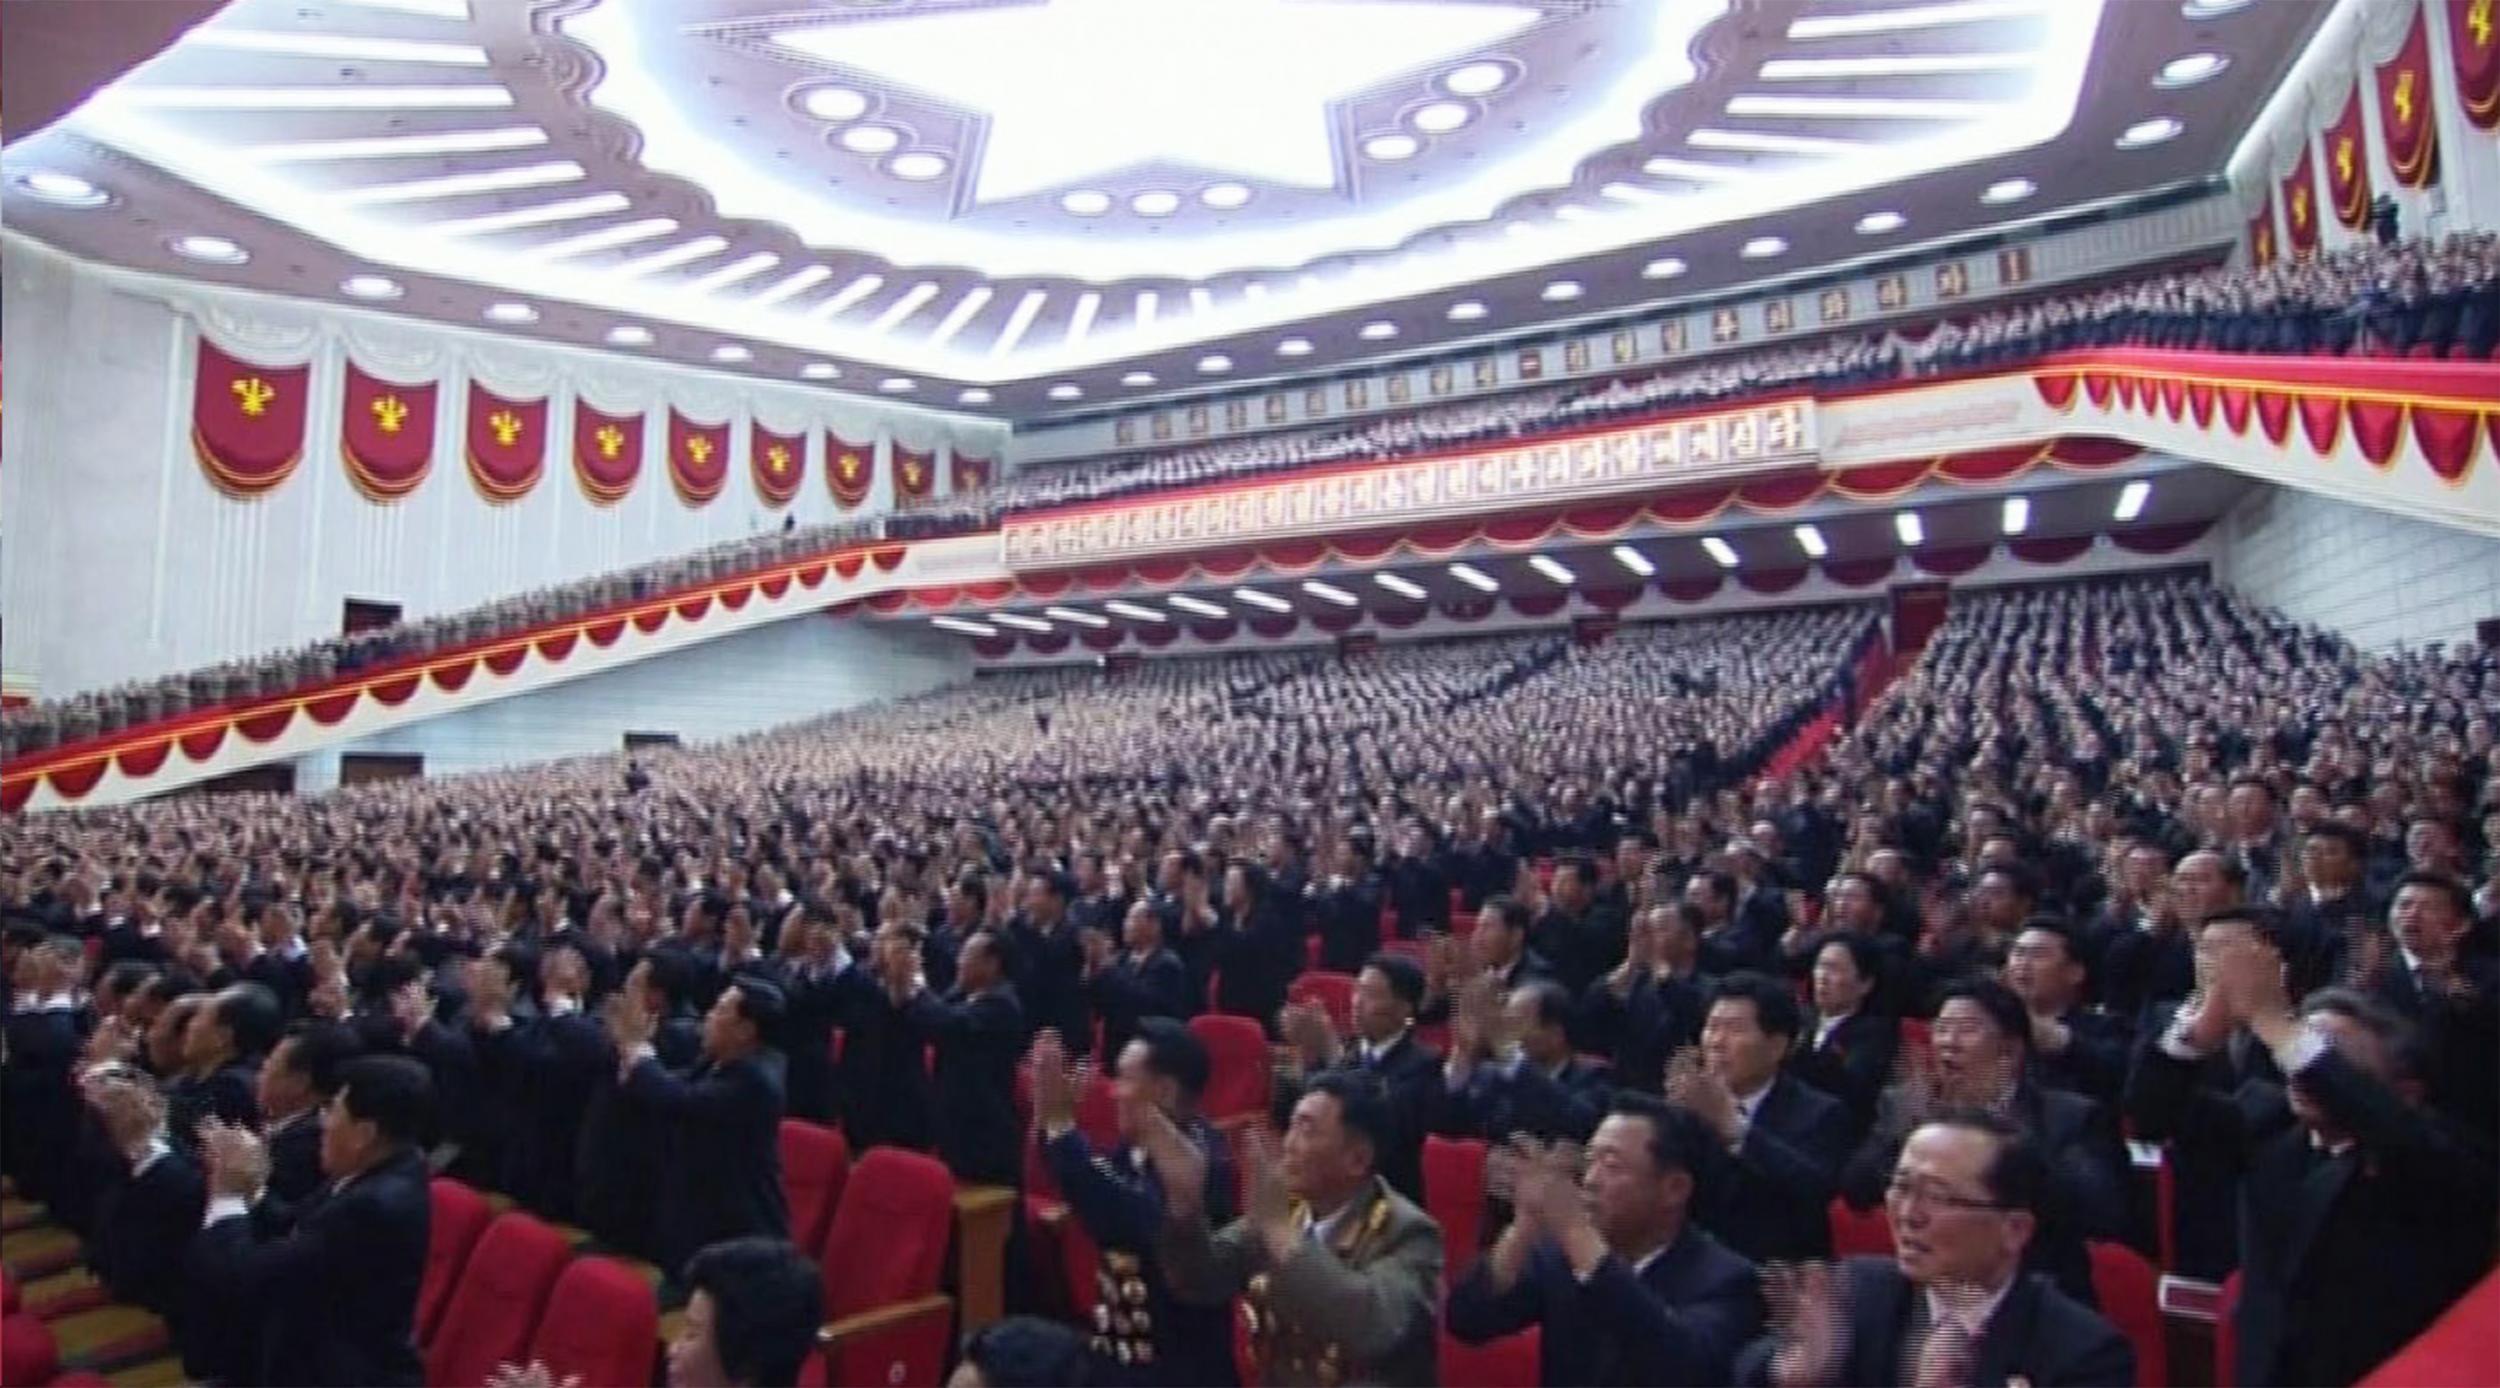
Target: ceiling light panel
1198	606
1404	587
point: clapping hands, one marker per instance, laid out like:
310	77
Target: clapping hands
238	1163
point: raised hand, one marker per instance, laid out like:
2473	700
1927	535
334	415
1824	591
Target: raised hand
1809	1314
1269	1208
535	1374
237	1162
1691	1085
1054	1090
1180	1166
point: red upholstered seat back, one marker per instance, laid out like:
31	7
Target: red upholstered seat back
1239	1077
2129	1293
601	1323
459	1216
1854	1233
496	1304
889	1237
1332	993
815	1161
1454	1197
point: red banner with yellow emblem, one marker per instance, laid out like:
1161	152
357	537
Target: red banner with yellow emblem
247	422
607	453
2474	40
2348	165
2405	120
2261	242
386	434
850	470
698	458
507	444
915	474
973	474
778	461
2300	207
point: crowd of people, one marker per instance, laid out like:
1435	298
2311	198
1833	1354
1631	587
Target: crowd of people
2129	850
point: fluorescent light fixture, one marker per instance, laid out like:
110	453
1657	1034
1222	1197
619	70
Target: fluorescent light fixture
745	267
1693	171
1810	539
2006	190
1067	390
1215	364
1134	612
1201	299
570	209
1200	606
1256	598
791	285
1078	615
1636	561
1135	379
396	146
683	253
1081	319
1404	587
1862	107
1391	148
2212	9
1552	568
1720	550
961	625
211	250
1891	65
471	97
1467	310
2188	69
1837	26
1329	592
1664	268
732	352
820	371
2146	133
60	189
2131	499
1881	223
606	239
510	312
1767	142
371	287
1632	193
847	297
345	48
1019	621
973	396
1148	303
1907	525
912	301
1572	212
2017	514
1378	330
834	103
917	166
629	335
430	9
1294	347
898	385
1475	578
1560	291
1019	320
1224	197
1763	247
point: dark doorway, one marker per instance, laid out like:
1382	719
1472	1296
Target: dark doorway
366	614
366	768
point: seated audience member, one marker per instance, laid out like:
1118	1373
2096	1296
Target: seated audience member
2344	1171
751	1317
2072	1047
38	1066
1025	1352
1342	1274
1383	1045
330	1284
1141	1333
1981	1038
2448	991
1651	1005
299	1077
722	1118
1513	1070
150	1204
1580	935
1779	1141
1954	1303
1607	1260
1847	1050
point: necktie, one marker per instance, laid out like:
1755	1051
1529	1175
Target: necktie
1944	1361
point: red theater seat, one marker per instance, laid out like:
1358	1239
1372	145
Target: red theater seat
497	1303
601	1322
460	1215
1239	1078
815	1161
1854	1233
28	1356
1332	993
2129	1292
886	1321
1454	1197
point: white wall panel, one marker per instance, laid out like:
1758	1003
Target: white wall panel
2379	579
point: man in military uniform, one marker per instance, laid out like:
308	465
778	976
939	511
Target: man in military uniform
1141	1334
1338	1273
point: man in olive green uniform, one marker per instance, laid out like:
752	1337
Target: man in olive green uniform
1339	1273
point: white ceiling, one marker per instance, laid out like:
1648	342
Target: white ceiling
1090	197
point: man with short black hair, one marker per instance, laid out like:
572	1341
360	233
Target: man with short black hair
221	1054
751	1319
2072	1047
1386	995
2451	994
977	1034
1768	1178
301	1075
723	1117
1514	1071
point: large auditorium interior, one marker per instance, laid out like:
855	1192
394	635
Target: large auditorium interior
882	693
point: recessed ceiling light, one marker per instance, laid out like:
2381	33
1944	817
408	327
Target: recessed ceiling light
1467	310
1810	539
1294	347
2188	69
2145	133
61	189
1085	202
871	139
1561	290
1664	268
2017	514
1155	202
919	165
897	385
731	351
1389	149
1224	197
1475	578
1763	247
1721	552
2211	9
2131	500
1552	568
2006	190
629	335
1881	223
1378	330
1442	117
1406	588
370	287
1138	378
1200	606
215	250
820	371
1215	364
511	313
974	396
1477	79
1067	390
835	103
1910	528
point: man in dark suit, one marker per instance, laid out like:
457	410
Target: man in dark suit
1514	1071
1581	938
1386	994
882	1080
1499	952
331	1283
1046	961
1848	1050
2072	1048
1953	1304
221	1053
1729	942
621	1161
722	1118
150	1202
1769	1176
1141	1333
1651	1005
41	1056
1628	1289
1140	980
979	1034
2453	996
1346	906
301	1075
2342	1168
